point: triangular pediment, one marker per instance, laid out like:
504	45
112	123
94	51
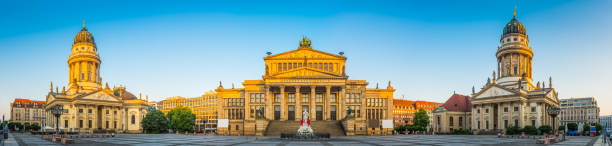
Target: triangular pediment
50	97
493	91
99	96
305	53
306	73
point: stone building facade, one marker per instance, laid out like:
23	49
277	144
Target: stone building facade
579	110
27	111
403	110
300	80
454	114
511	98
204	108
89	106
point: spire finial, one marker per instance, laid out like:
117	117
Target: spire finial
514	12
83	23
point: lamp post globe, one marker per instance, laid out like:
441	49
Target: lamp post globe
57	111
553	112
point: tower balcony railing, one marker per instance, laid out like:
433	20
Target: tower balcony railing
84	54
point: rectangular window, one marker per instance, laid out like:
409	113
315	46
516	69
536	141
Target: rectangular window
65	123
319	98
115	124
107	112
533	109
478	110
305	97
89	111
516	123
450	121
80	123
277	98
505	109
253	98
460	121
325	67
533	123
80	110
487	124
89	123
487	111
506	123
291	98
478	124
280	67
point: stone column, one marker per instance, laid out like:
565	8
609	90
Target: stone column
269	99
326	107
341	109
313	113
283	105
298	104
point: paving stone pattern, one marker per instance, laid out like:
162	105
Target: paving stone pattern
186	140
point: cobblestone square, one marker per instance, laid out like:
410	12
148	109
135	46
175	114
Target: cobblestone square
403	140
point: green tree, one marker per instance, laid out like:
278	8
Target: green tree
510	130
572	126
561	128
33	127
13	125
598	127
181	119
545	129
586	128
155	122
421	119
531	130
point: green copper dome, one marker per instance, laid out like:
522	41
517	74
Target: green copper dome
514	26
84	36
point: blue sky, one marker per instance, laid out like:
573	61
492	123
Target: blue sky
428	49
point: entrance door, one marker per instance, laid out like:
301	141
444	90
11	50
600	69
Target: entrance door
332	113
291	113
277	112
319	113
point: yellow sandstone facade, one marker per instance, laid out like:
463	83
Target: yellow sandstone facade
204	107
300	80
89	106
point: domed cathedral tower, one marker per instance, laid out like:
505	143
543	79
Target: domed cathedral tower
514	57
511	99
84	64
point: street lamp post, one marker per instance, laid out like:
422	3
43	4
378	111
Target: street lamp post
57	111
553	112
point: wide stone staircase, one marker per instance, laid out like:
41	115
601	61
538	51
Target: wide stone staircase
275	128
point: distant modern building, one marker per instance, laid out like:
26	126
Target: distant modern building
579	110
403	110
455	113
511	98
204	107
27	111
606	121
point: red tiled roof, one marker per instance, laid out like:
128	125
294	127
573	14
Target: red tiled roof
458	102
29	102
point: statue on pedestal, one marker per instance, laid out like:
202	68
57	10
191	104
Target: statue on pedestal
305	131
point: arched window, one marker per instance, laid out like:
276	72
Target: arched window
133	119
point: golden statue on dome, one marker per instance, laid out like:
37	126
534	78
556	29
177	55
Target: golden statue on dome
305	43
